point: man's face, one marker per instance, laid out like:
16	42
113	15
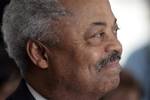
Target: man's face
86	60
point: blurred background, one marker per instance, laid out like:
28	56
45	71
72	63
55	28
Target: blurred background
134	21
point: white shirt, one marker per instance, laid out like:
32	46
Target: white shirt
36	95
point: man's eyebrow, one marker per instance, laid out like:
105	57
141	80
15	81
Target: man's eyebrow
99	23
115	22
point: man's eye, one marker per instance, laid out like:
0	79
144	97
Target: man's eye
116	30
98	35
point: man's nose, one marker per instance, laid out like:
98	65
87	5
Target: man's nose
113	45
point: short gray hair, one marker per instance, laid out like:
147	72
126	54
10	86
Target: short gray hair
25	19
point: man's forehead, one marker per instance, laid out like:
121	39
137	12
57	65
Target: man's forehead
88	12
76	4
86	7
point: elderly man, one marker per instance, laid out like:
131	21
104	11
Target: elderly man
66	49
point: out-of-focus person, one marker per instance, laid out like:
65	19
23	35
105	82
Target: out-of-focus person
139	65
128	89
9	75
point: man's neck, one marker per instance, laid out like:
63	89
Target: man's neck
34	93
53	91
60	93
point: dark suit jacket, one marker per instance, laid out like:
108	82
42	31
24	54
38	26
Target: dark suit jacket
21	93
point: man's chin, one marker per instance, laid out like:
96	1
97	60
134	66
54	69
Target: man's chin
110	85
115	83
113	79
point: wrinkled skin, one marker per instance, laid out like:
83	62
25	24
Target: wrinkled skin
87	36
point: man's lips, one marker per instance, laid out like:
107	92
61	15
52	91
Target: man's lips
111	60
111	64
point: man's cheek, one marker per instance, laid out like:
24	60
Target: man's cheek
94	56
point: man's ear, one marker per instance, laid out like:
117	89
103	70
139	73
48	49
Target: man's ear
37	53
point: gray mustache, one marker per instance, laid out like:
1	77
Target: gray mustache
110	58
